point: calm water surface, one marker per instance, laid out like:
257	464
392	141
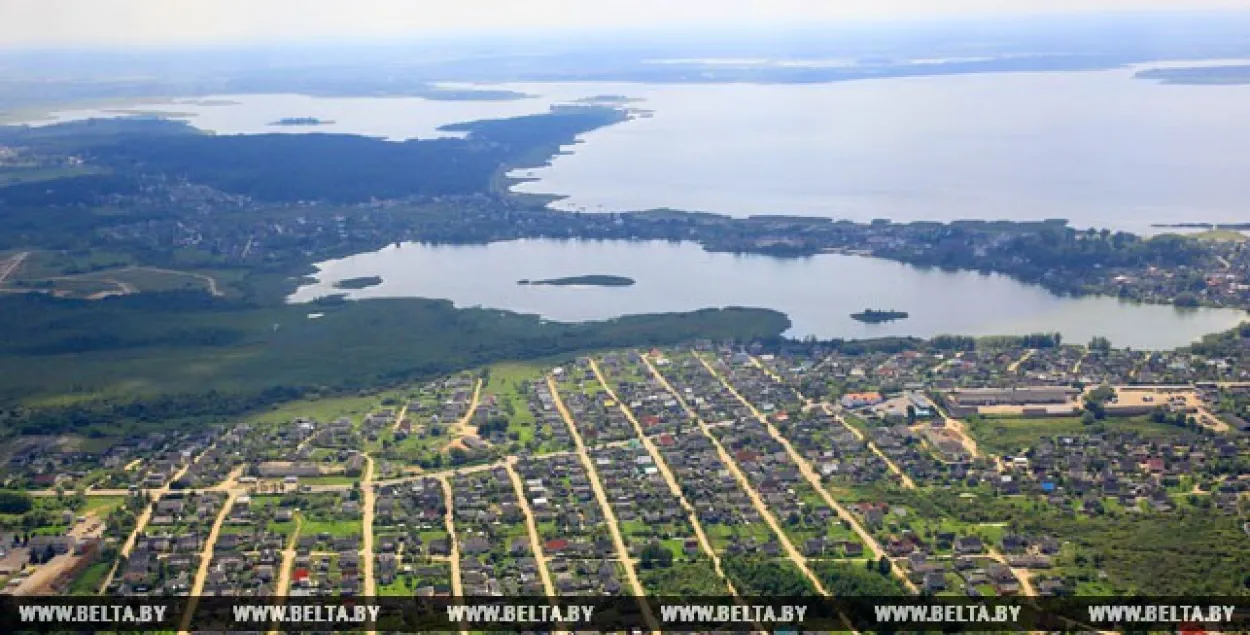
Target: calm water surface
393	118
818	293
1099	148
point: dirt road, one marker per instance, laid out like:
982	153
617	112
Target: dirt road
765	513
461	428
399	418
959	430
282	587
805	468
367	504
907	481
10	267
831	411
673	486
141	521
1014	366
453	557
206	557
209	282
531	528
614	527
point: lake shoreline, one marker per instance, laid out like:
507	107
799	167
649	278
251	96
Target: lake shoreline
676	277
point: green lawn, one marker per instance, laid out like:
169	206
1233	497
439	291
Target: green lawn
102	505
329	479
430	535
397	588
336	528
88	582
721	535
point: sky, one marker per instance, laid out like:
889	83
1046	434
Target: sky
129	23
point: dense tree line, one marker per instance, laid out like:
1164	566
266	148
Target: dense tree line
1039	254
115	413
766	578
15	502
30	198
338	168
255	356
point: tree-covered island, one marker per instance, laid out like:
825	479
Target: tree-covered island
594	280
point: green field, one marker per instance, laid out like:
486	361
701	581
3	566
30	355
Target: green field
16	175
1007	435
42	264
321	408
1220	234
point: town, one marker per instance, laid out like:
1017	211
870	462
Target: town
708	469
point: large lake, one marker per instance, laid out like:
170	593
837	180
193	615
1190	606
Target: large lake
1099	148
818	293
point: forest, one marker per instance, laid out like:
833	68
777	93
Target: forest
178	356
335	168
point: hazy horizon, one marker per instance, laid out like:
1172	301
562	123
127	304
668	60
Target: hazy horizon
131	24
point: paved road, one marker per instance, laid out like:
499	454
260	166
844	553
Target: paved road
614	527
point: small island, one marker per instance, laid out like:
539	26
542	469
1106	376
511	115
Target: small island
301	121
585	281
358	283
873	316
